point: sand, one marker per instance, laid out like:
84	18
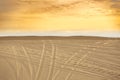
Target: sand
59	58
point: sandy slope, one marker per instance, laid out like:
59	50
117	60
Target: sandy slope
59	58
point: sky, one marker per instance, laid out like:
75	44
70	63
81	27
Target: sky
36	16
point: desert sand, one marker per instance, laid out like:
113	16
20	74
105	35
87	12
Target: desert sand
59	58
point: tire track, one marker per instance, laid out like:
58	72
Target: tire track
50	75
16	63
39	70
70	73
29	62
64	65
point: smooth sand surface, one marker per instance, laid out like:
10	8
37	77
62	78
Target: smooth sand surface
59	58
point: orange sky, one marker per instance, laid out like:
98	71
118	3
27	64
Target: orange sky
83	16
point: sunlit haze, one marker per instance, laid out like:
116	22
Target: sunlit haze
58	15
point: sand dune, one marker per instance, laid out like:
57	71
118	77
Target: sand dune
59	58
